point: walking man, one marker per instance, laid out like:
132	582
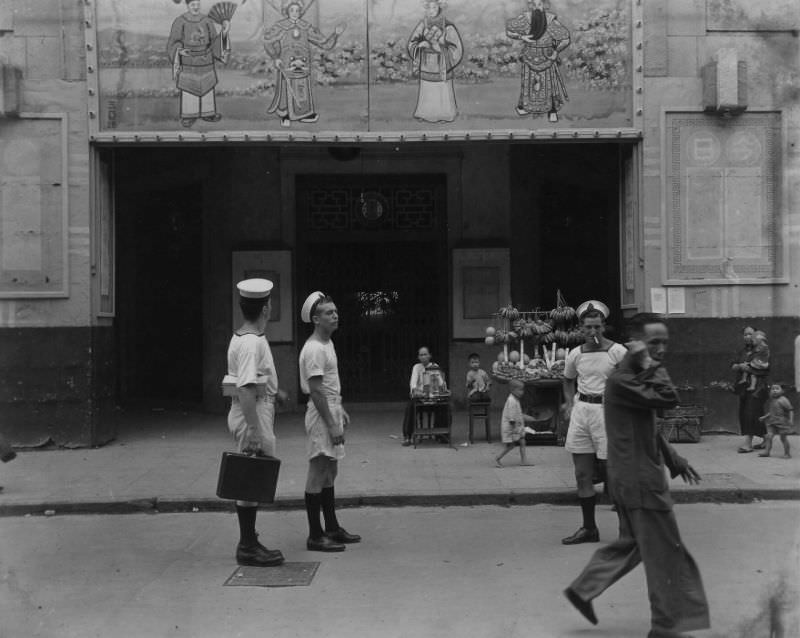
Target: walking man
588	367
252	414
325	422
648	531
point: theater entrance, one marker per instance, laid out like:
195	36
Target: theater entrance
377	245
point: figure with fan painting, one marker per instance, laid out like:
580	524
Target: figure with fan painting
197	42
289	43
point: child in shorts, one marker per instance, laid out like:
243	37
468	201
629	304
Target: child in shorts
512	423
778	419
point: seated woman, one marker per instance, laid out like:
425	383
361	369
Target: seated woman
417	390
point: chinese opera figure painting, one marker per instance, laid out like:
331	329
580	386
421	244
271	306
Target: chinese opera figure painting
542	89
194	47
288	42
435	49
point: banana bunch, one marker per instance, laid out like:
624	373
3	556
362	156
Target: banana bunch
563	316
509	312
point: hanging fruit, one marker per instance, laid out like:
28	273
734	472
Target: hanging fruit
489	341
509	312
575	338
490	331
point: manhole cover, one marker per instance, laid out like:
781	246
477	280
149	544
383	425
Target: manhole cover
286	575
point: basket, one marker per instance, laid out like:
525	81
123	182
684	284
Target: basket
681	424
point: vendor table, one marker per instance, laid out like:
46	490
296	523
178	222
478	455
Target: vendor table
545	397
428	412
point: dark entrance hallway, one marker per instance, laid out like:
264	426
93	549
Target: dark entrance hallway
160	337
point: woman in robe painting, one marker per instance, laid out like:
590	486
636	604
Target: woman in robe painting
436	49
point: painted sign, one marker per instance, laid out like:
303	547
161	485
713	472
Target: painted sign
363	65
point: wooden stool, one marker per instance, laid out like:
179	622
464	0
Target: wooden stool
478	410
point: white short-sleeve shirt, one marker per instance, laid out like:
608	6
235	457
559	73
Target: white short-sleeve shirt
591	369
318	358
250	361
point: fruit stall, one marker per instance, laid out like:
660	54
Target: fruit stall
533	347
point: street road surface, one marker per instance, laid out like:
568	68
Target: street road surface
461	572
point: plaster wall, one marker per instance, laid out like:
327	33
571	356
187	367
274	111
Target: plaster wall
681	36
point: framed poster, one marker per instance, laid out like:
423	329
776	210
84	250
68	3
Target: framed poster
275	265
481	285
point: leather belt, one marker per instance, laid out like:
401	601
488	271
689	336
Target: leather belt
590	398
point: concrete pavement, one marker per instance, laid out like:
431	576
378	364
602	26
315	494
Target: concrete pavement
168	461
453	572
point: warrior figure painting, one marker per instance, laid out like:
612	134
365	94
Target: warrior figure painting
288	42
542	88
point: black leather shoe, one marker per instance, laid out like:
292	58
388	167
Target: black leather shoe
341	535
665	633
583	535
8	456
583	606
323	544
258	556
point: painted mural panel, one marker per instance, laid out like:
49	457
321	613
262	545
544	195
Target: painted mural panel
363	65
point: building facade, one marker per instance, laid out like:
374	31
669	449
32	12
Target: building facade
424	164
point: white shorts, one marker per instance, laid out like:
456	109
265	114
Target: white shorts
319	437
587	430
265	408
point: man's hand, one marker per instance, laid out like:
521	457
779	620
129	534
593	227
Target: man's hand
690	475
638	350
252	446
345	418
282	396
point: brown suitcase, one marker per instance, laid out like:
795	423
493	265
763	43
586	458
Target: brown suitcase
248	478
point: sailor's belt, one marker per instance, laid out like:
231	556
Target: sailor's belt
590	398
231	389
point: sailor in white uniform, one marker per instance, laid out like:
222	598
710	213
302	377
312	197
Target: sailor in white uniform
251	373
325	423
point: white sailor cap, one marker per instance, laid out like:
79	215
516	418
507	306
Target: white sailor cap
592	304
308	306
255	288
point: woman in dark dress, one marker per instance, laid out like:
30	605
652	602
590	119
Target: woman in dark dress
751	385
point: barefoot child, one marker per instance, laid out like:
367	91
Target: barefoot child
778	419
512	424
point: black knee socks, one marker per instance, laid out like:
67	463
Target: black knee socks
313	504
247	524
587	507
329	509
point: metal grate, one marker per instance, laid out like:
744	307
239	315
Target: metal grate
286	575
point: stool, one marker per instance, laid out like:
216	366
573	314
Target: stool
479	410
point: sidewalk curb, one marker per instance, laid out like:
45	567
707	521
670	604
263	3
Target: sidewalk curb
156	505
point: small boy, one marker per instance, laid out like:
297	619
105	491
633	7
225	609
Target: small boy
478	382
512	423
778	419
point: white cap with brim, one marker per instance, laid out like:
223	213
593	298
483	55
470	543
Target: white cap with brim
308	306
255	288
595	305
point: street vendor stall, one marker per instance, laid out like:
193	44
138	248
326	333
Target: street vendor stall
535	345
